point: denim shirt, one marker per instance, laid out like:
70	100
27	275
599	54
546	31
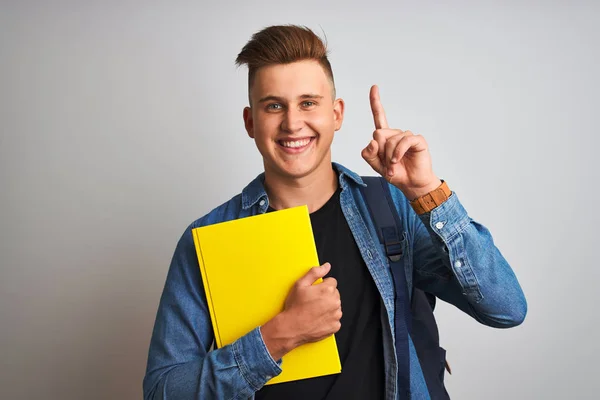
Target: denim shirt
446	252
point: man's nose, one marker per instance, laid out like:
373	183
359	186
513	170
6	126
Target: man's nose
292	121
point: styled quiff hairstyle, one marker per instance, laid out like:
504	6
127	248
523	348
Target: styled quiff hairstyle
283	44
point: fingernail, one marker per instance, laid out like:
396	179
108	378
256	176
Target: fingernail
394	160
370	148
390	172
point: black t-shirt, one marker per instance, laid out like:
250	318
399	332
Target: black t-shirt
359	340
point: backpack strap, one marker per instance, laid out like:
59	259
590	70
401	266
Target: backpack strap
387	223
418	310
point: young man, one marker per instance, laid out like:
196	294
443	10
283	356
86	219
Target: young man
292	117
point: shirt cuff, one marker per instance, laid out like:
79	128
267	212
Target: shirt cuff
447	219
254	360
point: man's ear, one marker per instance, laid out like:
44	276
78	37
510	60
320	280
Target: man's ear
338	113
248	122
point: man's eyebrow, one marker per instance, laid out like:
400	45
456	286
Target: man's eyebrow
310	96
271	98
281	100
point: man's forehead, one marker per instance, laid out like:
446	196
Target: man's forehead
303	76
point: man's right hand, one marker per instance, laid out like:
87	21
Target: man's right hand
312	312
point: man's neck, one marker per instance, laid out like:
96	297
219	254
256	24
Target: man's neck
313	190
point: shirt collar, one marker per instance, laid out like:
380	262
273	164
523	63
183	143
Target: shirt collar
255	191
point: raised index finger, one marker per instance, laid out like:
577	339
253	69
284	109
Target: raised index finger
377	109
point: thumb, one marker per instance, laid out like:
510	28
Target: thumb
314	274
371	156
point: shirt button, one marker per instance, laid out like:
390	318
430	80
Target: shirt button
439	225
262	202
369	254
457	264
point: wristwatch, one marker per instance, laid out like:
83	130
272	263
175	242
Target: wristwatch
431	200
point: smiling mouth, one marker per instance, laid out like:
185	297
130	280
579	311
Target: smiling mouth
295	145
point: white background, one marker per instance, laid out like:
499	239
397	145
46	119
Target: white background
121	122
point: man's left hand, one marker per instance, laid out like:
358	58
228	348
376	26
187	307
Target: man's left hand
401	157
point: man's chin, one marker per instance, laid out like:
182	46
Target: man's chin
296	170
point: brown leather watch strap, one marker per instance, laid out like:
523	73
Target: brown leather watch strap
431	200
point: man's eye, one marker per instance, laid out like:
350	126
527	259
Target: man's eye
274	106
308	103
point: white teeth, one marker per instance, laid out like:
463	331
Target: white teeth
296	143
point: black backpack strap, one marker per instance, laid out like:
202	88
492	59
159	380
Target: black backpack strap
376	195
418	311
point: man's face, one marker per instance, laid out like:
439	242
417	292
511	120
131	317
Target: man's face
293	118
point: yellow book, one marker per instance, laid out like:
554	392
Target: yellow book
248	266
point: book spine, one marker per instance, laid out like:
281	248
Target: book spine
206	285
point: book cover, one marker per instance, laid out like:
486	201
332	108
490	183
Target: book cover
248	267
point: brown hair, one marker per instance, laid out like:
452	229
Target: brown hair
283	44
